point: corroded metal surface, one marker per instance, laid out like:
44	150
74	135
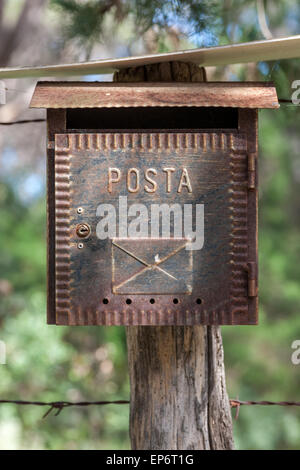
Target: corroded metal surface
151	266
106	95
156	281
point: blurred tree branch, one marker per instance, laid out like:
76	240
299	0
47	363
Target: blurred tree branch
84	21
262	19
1	12
11	38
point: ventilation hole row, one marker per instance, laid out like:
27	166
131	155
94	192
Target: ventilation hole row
152	301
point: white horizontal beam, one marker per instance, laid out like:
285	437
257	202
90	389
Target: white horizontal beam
256	51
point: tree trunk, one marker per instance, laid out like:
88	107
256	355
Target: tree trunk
177	378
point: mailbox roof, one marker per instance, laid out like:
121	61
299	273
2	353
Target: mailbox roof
115	95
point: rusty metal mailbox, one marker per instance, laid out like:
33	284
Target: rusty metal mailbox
152	202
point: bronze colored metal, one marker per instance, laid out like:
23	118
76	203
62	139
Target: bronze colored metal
159	264
251	170
252	279
153	281
83	230
125	280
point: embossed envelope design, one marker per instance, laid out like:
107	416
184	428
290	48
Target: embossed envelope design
151	266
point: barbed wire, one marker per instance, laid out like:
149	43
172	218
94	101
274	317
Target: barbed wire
23	121
238	403
58	406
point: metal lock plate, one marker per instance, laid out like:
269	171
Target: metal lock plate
153	229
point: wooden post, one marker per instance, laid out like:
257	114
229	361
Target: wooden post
177	378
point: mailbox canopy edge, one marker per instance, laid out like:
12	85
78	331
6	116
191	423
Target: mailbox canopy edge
65	95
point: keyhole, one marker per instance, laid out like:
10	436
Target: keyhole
83	230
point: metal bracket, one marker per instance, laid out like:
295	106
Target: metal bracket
252	170
252	279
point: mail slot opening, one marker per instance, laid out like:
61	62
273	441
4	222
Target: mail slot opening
152	118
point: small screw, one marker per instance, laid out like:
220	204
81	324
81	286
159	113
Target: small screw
80	246
79	210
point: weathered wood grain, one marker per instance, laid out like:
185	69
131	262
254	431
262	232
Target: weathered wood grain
178	391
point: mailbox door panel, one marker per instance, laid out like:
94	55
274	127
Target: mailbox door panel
153	229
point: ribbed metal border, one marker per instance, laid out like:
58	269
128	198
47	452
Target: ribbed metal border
239	237
62	231
233	310
148	141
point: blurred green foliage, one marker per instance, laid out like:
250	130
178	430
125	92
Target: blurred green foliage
258	359
74	363
48	362
84	20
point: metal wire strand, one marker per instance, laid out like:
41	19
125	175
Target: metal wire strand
24	121
58	406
